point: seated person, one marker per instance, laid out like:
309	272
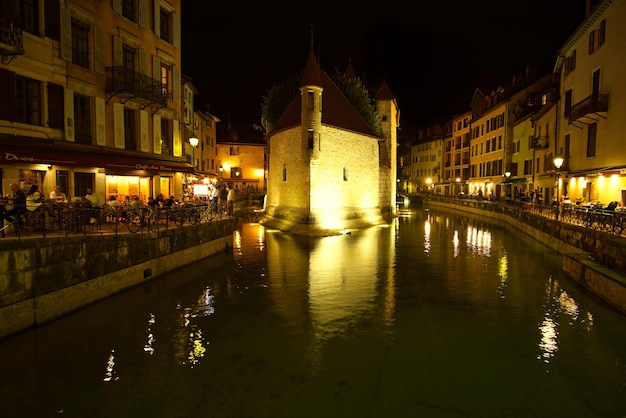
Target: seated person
136	204
57	195
91	199
33	198
19	205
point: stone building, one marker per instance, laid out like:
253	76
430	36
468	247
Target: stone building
328	171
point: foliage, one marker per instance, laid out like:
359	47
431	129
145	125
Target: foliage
282	94
278	98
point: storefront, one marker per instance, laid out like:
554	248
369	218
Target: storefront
118	174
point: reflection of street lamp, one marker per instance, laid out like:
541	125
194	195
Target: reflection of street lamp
194	143
558	162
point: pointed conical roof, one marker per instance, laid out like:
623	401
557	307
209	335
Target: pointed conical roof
311	74
385	93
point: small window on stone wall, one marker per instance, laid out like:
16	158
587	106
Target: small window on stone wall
284	172
345	174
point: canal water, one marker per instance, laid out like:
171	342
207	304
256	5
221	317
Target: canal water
436	315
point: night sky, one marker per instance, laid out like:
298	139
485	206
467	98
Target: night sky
432	56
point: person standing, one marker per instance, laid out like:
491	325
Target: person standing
214	196
230	200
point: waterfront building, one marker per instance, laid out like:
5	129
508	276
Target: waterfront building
456	158
240	155
593	94
328	170
92	97
427	158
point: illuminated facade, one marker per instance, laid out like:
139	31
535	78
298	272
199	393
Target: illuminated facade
456	158
240	156
593	103
325	161
92	97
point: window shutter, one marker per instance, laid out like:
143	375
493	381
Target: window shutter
176	83
143	13
118	123
156	68
101	133
117	6
66	35
98	40
142	62
156	131
69	115
177	144
118	59
143	130
157	18
176	30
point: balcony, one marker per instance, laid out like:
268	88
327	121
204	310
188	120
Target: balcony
136	87
586	110
11	40
541	142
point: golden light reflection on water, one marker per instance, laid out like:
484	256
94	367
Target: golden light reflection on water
478	241
503	271
427	235
341	284
561	310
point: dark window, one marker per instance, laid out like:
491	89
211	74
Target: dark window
80	43
129	10
166	137
601	33
128	61
284	172
52	16
310	138
82	119
29	15
27	100
82	182
592	38
166	25
591	139
130	130
567	107
56	107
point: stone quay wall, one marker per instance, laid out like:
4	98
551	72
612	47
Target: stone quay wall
45	278
594	259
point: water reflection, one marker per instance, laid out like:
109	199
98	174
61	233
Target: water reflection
367	324
340	286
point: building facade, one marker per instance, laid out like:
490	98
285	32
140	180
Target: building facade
93	97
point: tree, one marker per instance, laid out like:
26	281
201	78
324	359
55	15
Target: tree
278	98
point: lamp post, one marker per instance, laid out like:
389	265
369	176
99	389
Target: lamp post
221	171
558	162
193	140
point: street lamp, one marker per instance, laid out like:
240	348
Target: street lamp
507	179
558	162
221	170
193	140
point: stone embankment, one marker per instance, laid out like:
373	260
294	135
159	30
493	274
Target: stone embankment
45	278
594	259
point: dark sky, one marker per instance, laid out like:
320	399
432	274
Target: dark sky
432	56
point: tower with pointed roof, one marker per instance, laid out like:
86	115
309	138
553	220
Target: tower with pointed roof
325	171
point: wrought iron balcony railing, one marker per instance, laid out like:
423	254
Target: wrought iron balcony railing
132	85
596	103
11	40
541	142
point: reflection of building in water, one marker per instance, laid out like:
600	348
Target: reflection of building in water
346	275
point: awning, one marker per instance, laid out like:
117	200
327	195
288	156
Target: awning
515	180
101	159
